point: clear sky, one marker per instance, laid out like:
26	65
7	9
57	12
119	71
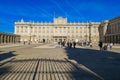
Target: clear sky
43	10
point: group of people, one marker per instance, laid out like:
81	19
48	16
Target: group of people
83	44
105	46
69	44
62	44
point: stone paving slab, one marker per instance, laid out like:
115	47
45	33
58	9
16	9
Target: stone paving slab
10	45
48	46
43	69
17	44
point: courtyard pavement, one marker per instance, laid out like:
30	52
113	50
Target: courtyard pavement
49	62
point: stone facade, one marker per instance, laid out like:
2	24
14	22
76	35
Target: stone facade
102	30
59	30
113	31
9	38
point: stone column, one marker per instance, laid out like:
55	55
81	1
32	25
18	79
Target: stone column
106	39
117	39
17	39
5	39
110	39
8	40
2	38
13	40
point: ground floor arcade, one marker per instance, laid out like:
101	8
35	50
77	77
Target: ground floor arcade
113	38
9	38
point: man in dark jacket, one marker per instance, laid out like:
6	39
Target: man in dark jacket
74	44
100	45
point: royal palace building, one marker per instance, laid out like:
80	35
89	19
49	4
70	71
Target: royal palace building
113	31
58	30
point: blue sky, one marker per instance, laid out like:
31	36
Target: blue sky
43	10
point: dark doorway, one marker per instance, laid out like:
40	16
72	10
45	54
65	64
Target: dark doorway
43	40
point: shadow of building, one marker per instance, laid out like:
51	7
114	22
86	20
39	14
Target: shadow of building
105	63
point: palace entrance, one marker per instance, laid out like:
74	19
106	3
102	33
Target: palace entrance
59	38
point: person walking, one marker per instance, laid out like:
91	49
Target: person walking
100	45
111	44
82	44
60	44
91	44
74	44
70	44
24	43
63	43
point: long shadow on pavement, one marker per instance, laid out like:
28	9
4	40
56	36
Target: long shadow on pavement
6	55
44	69
3	61
106	64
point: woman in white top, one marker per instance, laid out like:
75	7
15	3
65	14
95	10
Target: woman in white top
111	46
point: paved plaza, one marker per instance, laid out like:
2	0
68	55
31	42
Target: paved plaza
49	62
